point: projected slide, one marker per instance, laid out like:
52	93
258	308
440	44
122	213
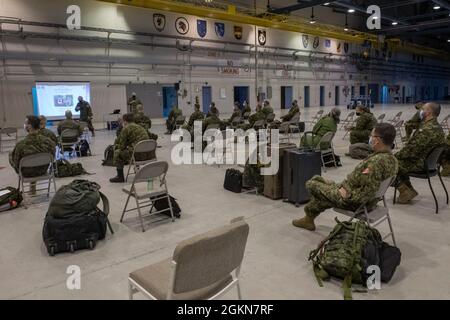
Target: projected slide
54	98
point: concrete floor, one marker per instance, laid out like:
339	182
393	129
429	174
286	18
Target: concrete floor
275	264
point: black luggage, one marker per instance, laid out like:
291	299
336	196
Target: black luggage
390	259
83	149
76	232
233	180
163	204
109	156
299	167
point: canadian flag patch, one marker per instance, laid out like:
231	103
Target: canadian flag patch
366	171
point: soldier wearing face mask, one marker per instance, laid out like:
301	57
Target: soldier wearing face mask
364	124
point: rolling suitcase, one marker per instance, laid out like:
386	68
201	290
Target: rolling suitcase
273	185
299	167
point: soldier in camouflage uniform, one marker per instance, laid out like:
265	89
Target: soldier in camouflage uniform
258	115
86	114
364	124
267	109
141	119
197	115
212	119
246	109
171	119
325	124
69	123
360	186
414	123
124	145
33	143
411	157
236	113
212	110
133	102
446	159
45	132
292	112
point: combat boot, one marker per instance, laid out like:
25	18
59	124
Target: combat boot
445	169
411	188
306	223
406	194
119	178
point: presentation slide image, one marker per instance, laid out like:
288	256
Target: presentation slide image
54	98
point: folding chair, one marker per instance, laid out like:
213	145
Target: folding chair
445	124
179	121
396	118
432	168
202	267
270	117
44	161
381	118
246	115
316	117
285	131
69	138
294	123
259	124
144	146
143	195
376	215
348	120
400	137
326	139
348	128
85	127
8	132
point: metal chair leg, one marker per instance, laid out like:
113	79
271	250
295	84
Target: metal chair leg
434	196
443	185
125	208
140	214
395	194
170	207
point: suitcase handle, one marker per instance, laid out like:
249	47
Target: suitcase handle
106	210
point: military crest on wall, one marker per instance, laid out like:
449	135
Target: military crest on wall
182	25
202	28
262	37
159	21
220	29
316	42
238	32
305	40
327	43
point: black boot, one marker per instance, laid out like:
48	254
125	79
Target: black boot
119	178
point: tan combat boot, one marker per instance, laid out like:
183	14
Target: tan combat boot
306	223
406	194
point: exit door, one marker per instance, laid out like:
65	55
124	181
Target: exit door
206	98
322	96
307	97
337	96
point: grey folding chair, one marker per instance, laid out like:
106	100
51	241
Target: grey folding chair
399	137
236	121
285	131
316	117
348	120
42	162
348	128
376	215
328	140
270	117
445	123
396	118
432	168
11	137
259	124
149	185
202	267
381	117
85	127
69	138
245	115
179	121
144	146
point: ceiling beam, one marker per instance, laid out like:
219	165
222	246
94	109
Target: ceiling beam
443	3
417	27
298	6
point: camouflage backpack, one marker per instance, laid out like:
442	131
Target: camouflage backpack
10	198
346	253
67	169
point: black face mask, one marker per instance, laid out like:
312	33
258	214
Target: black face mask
358	114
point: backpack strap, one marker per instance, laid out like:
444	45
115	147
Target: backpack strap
105	202
336	230
347	283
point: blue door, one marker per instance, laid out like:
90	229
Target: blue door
337	96
385	95
322	96
307	97
170	99
286	97
206	98
362	90
241	95
374	92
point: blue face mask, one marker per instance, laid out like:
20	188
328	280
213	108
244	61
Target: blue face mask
421	114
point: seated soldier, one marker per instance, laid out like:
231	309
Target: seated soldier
364	124
197	115
67	124
236	114
258	115
141	119
212	119
171	119
411	157
360	186
245	109
33	143
212	110
414	123
292	112
325	124
267	109
124	145
45	132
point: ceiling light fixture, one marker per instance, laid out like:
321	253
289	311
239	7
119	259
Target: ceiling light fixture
351	10
346	23
326	4
436	7
313	20
394	23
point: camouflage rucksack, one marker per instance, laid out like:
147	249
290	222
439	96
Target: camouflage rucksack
346	253
10	198
67	169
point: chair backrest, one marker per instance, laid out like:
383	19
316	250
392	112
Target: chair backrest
398	115
180	119
384	186
432	160
295	118
398	124
213	126
381	117
350	115
284	127
319	114
259	124
36	160
145	146
326	138
8	130
236	119
211	257
69	134
270	117
246	114
151	170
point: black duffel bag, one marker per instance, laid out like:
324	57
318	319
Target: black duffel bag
233	180
163	204
390	257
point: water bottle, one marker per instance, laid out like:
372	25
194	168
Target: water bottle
150	184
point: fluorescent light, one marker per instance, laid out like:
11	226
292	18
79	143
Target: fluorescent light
326	4
345	29
394	23
312	21
375	18
351	10
436	7
448	40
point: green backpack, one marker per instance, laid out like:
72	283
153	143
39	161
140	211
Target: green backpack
67	169
346	253
10	198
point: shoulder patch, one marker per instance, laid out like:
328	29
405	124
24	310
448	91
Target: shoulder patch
366	171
